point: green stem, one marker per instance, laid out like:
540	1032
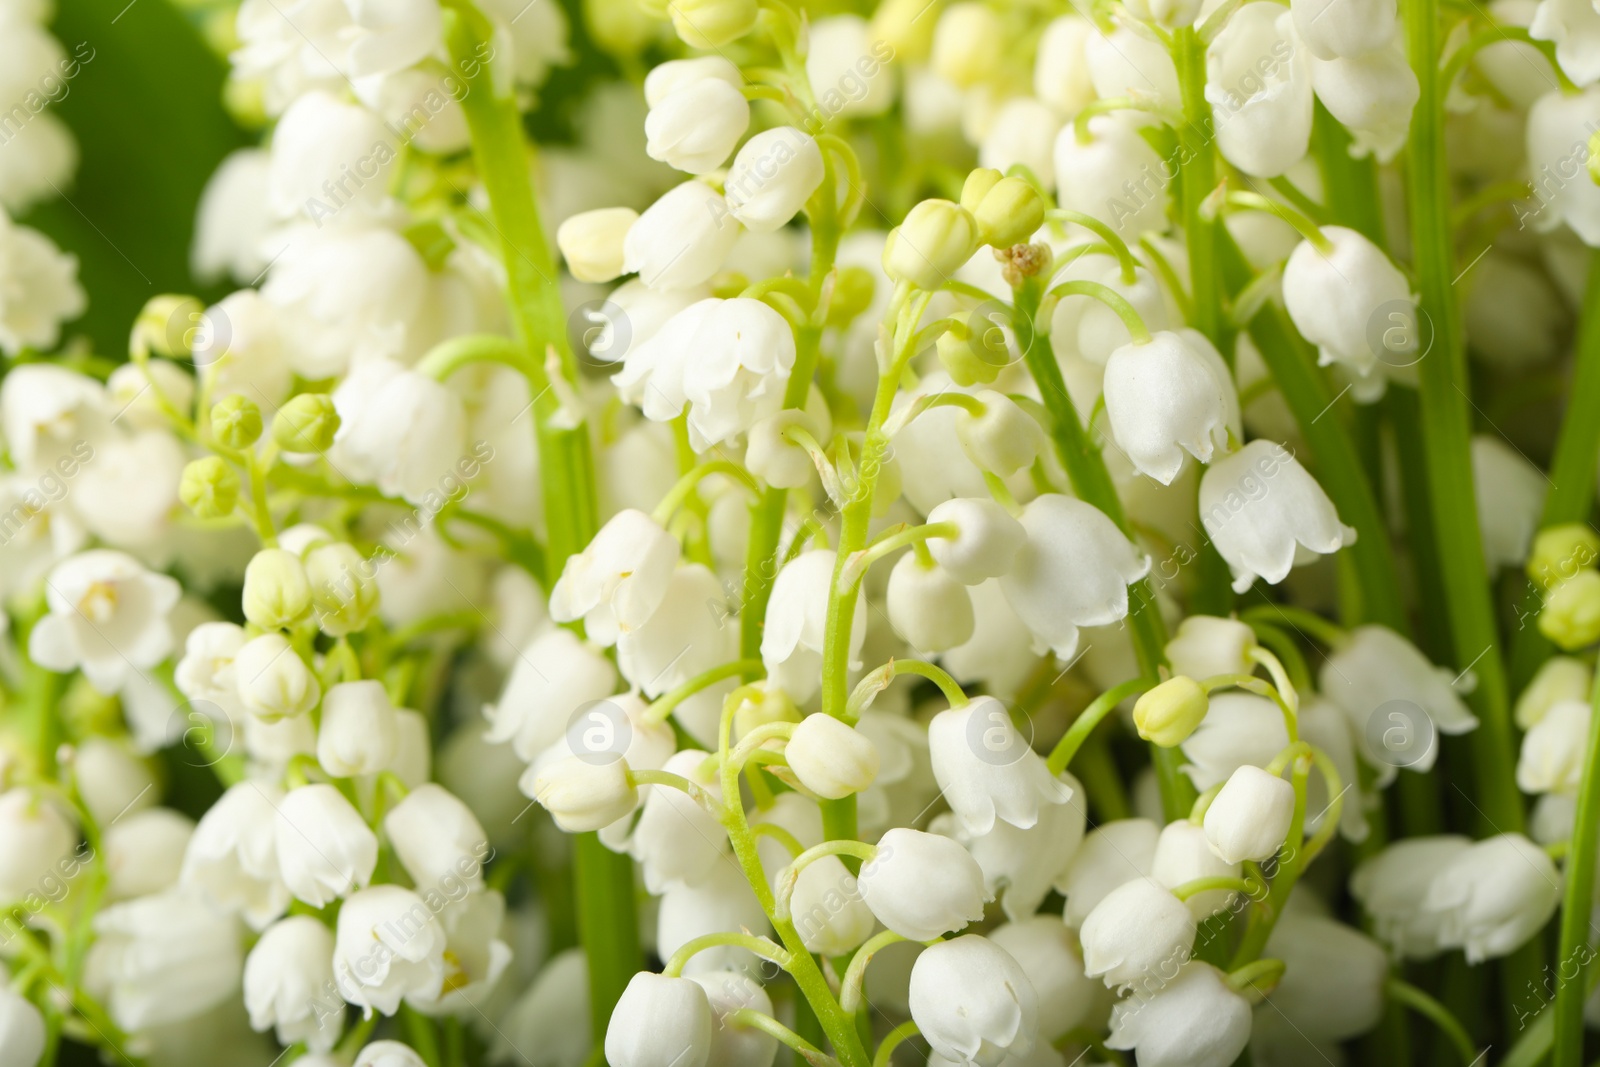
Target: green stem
1577	906
1112	299
1197	178
1446	431
1420	1002
663	705
1092	483
1084	725
755	1020
877	681
893	1040
1113	240
1291	863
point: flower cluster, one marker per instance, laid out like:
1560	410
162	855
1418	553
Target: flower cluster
957	533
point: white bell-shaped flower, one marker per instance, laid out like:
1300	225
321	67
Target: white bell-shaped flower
676	840
1394	698
437	838
36	838
968	44
1332	28
388	1054
973	1002
107	618
1183	855
1557	147
1167	397
1021	866
797	617
848	67
233	854
325	848
1023	132
1249	818
1112	854
389	946
1138	930
986	541
722	902
1192	1020
1260	508
1207	645
399	430
831	758
1393	885
616	583
288	983
1332	984
1354	305
1133	63
734	1044
581	795
687	636
1073	570
164	959
144	852
697	113
1372	94
1060	68
1575	31
772	177
360	732
591	242
1259	89
1048	954
42	289
1003	439
206	670
1510	493
1086	327
550	681
331	161
922	885
682	239
660	1022
987	770
1491	897
1239	728
1115	176
827	910
927	606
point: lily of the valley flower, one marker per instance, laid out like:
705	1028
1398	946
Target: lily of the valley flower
1167	397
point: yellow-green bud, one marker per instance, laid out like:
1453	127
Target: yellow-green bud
344	589
1571	615
236	421
977	186
277	593
621	27
1010	212
759	709
306	423
166	326
1169	713
900	25
970	359
209	487
852	294
1560	552
712	23
934	241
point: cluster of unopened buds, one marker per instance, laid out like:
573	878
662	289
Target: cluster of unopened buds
954	532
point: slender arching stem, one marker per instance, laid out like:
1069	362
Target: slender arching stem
1092	716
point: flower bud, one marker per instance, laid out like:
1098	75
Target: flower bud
986	542
1559	552
236	421
35	840
780	462
1571	615
928	607
831	759
360	732
306	423
1169	713
660	1022
712	23
273	681
164	325
1558	679
934	241
210	488
1249	817
1208	645
344	588
1004	439
973	1002
582	795
591	242
827	910
968	44
1137	930
276	590
1008	210
973	358
772	177
921	885
853	288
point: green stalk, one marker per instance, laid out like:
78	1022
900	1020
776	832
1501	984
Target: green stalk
1198	177
1446	431
1577	904
607	917
1572	471
1092	482
1349	183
